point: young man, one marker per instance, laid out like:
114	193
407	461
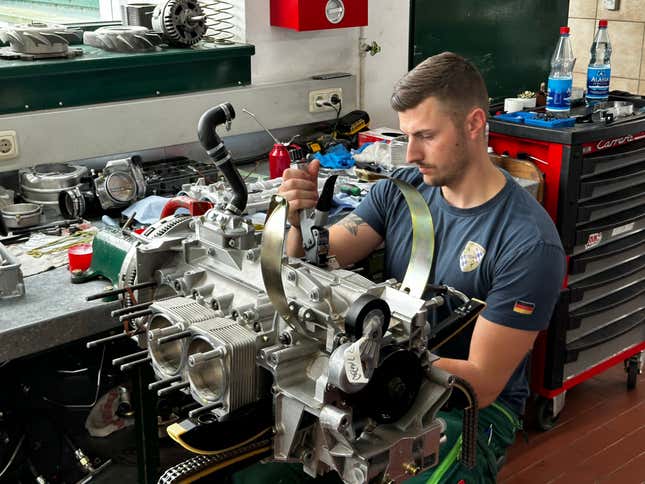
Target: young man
493	242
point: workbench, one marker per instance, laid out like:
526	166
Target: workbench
52	312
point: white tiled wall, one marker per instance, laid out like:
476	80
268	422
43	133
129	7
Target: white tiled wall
627	34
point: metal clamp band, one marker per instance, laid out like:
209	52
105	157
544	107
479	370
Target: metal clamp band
422	253
271	254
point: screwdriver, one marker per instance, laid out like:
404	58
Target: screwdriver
350	189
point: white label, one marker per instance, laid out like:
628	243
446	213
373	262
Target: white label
353	363
622	230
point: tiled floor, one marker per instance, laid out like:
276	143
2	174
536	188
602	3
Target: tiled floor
599	438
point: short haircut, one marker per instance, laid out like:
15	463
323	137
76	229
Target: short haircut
450	78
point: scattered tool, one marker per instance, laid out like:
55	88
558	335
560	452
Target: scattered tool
279	157
62	243
350	189
36	228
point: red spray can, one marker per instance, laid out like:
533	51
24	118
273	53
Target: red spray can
279	160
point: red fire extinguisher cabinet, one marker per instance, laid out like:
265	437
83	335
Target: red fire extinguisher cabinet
595	193
304	15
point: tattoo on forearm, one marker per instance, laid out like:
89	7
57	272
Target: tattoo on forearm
351	223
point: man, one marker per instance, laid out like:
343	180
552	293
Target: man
493	242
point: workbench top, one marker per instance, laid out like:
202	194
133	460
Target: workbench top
51	313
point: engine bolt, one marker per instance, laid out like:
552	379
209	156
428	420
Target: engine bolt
285	338
198	358
291	276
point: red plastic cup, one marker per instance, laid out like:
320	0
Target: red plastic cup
80	257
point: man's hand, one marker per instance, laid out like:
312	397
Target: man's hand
300	189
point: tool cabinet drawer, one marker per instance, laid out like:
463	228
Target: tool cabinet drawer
619	159
614	203
610	307
604	283
612	181
594	348
604	257
609	224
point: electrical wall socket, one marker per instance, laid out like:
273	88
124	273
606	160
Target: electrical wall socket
8	145
611	4
323	95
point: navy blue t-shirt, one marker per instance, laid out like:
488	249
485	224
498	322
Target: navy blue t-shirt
505	252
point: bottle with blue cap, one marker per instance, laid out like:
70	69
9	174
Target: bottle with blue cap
558	101
599	70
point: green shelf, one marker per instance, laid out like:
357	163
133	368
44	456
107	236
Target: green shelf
99	76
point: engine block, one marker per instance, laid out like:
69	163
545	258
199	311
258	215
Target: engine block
232	322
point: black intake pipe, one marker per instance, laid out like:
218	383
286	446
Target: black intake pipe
215	148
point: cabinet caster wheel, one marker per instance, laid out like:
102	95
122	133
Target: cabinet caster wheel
544	413
632	370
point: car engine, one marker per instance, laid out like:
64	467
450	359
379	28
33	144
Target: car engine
338	363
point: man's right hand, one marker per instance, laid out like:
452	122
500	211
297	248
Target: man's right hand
300	189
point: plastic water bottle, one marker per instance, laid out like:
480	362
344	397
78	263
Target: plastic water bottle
599	70
558	100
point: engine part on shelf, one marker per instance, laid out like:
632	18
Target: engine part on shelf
138	14
168	176
237	326
21	215
219	21
120	183
42	183
39	41
119	38
124	181
11	281
181	22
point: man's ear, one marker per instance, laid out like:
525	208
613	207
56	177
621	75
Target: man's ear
476	123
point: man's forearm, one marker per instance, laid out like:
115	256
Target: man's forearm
294	242
473	375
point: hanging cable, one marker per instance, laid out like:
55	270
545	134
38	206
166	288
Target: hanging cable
13	456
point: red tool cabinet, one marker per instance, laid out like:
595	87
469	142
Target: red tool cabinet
595	193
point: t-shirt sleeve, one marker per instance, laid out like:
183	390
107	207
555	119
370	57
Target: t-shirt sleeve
372	207
526	286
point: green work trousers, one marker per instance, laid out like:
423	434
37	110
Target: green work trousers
497	427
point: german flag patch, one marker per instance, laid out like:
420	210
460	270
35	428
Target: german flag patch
524	307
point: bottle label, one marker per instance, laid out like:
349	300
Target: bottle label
598	82
559	95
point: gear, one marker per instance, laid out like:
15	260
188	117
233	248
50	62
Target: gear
120	38
182	22
40	39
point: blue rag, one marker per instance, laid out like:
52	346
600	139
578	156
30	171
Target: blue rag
149	209
336	157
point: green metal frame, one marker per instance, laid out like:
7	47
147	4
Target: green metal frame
99	76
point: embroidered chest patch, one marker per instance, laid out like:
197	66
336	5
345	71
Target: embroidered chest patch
471	256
